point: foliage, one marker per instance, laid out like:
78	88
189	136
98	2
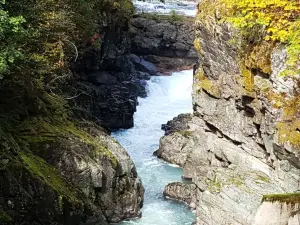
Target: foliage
40	40
279	20
5	218
176	17
11	34
46	32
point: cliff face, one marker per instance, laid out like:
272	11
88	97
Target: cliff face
278	212
66	175
233	147
165	41
111	77
57	165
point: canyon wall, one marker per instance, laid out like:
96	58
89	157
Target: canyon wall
110	77
58	164
241	141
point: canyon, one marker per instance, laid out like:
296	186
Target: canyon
83	148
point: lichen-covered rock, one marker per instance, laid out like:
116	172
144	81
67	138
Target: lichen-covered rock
236	148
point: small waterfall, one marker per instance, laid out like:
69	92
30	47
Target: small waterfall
168	97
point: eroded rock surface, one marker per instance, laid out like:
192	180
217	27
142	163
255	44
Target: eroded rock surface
280	213
231	147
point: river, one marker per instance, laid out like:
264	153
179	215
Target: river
168	96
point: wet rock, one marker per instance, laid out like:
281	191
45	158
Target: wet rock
143	65
178	123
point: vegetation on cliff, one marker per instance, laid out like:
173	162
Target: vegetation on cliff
261	27
39	42
288	198
278	20
257	20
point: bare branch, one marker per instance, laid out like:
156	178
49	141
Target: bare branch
76	96
76	51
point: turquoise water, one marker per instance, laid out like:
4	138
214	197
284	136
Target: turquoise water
168	97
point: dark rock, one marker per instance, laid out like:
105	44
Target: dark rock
102	77
143	65
166	44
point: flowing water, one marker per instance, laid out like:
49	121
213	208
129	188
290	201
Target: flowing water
168	96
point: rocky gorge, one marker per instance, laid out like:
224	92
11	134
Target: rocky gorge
73	76
58	162
238	148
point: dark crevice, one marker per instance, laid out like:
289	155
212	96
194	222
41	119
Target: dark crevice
249	112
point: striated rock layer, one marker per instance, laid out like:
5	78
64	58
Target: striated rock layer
233	147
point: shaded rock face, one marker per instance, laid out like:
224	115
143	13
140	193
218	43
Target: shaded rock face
70	180
109	78
229	147
166	43
107	84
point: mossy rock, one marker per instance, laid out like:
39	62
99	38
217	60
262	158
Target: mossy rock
47	174
41	130
5	219
260	57
288	198
185	133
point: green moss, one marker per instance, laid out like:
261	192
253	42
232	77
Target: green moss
88	139
39	130
214	185
289	198
237	181
264	179
60	202
185	133
5	218
47	174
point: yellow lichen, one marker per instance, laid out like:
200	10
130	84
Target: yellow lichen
248	79
260	57
197	44
288	127
208	85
